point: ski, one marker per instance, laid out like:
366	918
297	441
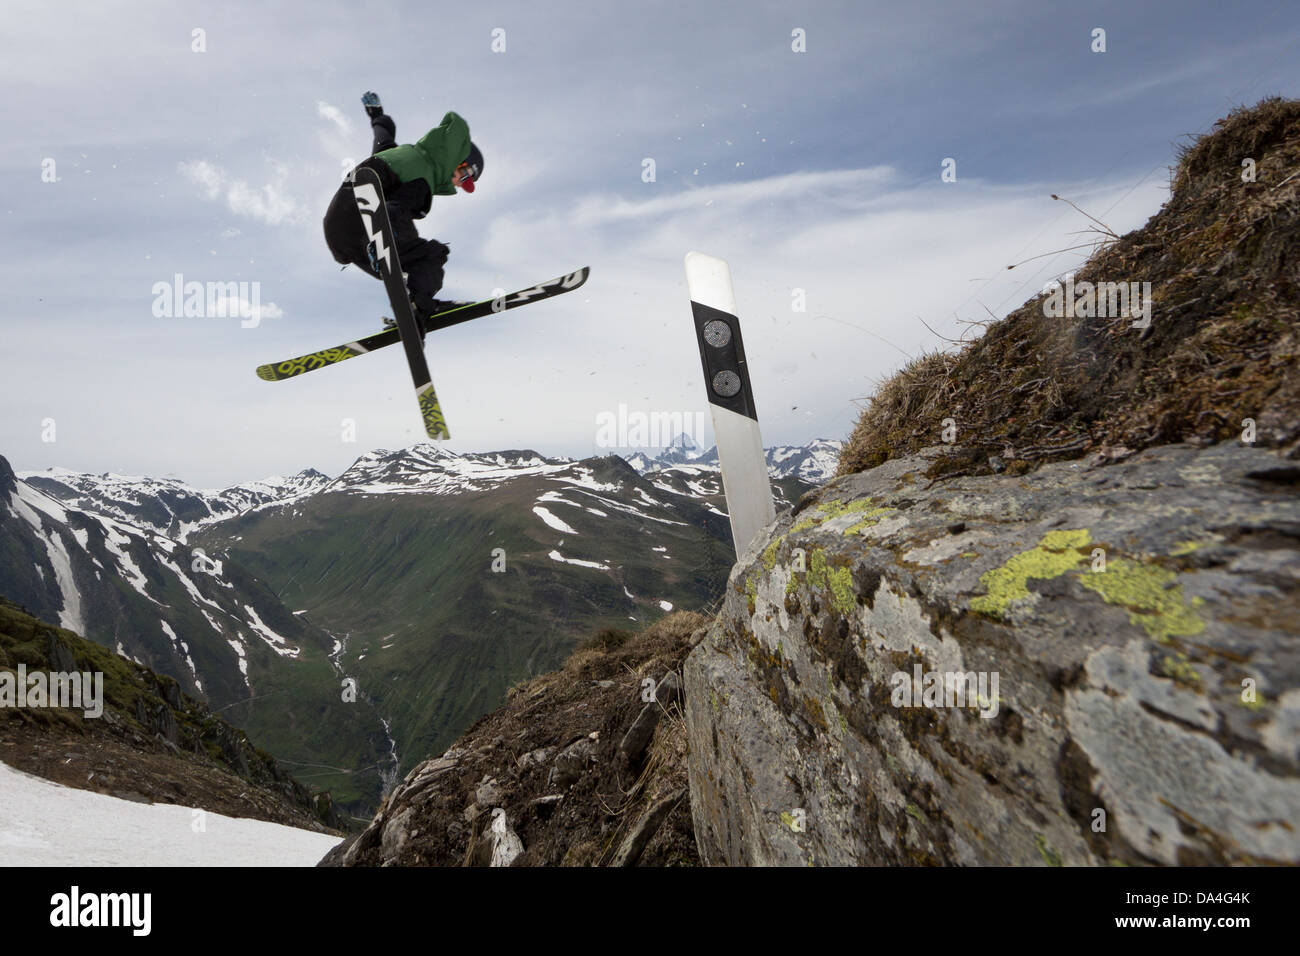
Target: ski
277	371
369	193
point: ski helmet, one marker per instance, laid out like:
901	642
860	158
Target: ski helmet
474	162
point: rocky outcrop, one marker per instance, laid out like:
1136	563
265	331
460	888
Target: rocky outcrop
1081	665
585	766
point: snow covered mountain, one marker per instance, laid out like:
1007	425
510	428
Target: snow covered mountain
166	505
427	468
175	509
201	619
814	462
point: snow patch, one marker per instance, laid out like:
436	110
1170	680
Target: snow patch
189	586
48	824
552	521
272	639
116	541
70	615
243	660
183	649
555	496
556	556
41	502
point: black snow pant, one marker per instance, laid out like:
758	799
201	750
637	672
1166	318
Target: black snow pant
422	259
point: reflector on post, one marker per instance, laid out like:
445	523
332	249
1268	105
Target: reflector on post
731	400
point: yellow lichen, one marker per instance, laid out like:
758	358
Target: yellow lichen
1180	669
874	516
834	509
1057	553
1151	596
839	581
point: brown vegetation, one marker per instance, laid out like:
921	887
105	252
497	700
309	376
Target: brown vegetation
1221	257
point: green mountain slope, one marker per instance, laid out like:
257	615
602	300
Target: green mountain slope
433	633
223	636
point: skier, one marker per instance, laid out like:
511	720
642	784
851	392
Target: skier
442	160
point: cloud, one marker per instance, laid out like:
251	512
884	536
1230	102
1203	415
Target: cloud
334	115
870	255
251	312
847	185
205	175
267	203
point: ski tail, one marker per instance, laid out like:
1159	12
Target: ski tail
369	194
278	371
435	425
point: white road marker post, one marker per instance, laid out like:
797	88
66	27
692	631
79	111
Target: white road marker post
731	400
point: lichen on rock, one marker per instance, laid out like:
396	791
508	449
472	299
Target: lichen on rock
1115	680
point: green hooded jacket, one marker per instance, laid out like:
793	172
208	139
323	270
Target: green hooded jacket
434	158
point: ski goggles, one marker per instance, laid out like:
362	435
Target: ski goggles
468	174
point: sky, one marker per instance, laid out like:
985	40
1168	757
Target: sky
149	140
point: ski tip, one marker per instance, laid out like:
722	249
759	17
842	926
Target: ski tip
435	426
266	373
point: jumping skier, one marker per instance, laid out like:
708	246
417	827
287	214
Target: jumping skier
442	160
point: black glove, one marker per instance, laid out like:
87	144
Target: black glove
371	102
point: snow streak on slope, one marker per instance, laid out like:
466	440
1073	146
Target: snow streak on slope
556	556
47	824
26	503
238	646
552	521
70	616
116	541
273	640
182	648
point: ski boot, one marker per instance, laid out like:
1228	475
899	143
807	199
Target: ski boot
432	308
446	305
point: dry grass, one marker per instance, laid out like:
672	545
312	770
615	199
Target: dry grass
1225	279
